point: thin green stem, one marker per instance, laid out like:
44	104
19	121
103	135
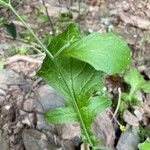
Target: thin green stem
61	74
31	31
119	102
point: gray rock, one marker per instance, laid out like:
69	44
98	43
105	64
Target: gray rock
103	129
10	77
3	144
63	144
130	118
128	141
69	130
42	124
48	99
35	140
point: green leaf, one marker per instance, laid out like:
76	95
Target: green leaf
106	52
136	81
1	65
61	115
98	104
64	40
22	49
4	2
144	146
11	29
42	18
146	87
76	81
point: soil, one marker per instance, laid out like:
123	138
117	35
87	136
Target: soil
20	87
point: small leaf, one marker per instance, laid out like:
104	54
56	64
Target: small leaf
146	87
70	35
144	146
22	49
98	104
42	18
136	81
61	115
105	52
11	29
1	65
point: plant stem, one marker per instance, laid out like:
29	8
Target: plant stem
82	124
119	102
31	31
79	7
61	74
49	18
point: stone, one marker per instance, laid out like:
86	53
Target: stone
128	141
28	119
42	124
35	140
48	99
3	144
69	130
130	118
28	105
62	144
103	129
10	77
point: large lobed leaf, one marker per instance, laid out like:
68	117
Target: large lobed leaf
76	79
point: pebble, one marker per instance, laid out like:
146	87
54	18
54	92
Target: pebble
69	130
104	130
48	99
10	77
27	118
128	141
130	118
36	140
43	125
125	6
3	144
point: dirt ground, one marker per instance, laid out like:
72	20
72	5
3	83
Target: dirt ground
23	95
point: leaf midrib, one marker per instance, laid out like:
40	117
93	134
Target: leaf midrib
73	100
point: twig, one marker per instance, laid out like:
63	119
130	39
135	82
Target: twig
79	7
21	57
119	102
114	118
29	44
49	18
18	23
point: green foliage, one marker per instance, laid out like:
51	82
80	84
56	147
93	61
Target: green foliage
1	65
2	20
72	73
144	146
5	2
106	52
65	16
11	29
137	83
42	18
22	49
26	36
